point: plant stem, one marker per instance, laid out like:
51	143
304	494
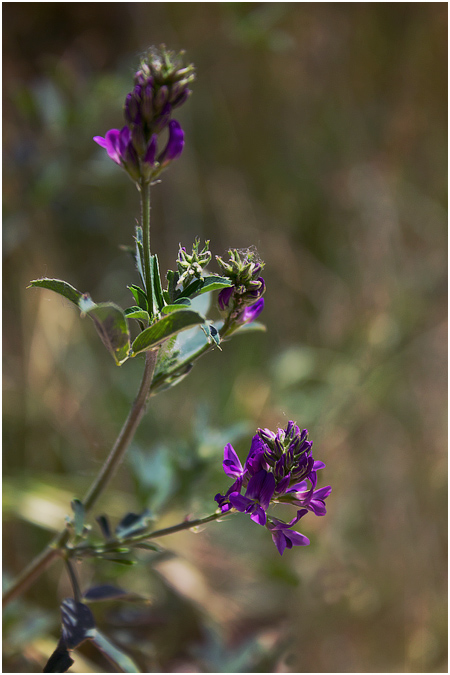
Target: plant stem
144	191
73	581
123	440
185	525
131	541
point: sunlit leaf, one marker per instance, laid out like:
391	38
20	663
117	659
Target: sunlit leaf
164	328
58	286
205	285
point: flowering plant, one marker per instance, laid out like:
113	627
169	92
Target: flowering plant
279	468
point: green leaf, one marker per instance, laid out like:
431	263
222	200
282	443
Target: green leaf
115	655
178	305
157	293
121	561
212	334
139	296
164	328
78	520
253	327
58	286
172	280
111	325
205	285
140	253
137	313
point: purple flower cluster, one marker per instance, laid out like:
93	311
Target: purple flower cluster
160	85
279	469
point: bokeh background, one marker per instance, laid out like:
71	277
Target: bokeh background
316	132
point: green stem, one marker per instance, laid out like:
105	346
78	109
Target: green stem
144	191
74	581
131	541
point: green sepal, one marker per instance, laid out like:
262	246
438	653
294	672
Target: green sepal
58	286
78	519
137	313
205	285
139	296
111	325
169	325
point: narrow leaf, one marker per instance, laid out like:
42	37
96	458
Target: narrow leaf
172	280
58	286
114	654
111	325
104	592
133	523
108	592
78	520
157	294
121	561
164	328
140	253
104	526
139	296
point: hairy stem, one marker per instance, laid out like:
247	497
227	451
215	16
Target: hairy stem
144	191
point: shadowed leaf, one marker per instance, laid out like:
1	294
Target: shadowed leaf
111	325
60	661
78	623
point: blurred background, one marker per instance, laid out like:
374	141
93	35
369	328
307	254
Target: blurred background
316	132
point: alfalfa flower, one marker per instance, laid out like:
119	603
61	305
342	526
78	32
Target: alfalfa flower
160	85
279	469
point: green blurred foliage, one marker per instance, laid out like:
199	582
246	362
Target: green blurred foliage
317	132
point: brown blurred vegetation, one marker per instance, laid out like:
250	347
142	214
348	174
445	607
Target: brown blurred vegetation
317	132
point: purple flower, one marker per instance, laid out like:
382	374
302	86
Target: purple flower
175	144
224	297
283	537
231	462
119	147
279	468
251	313
257	497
